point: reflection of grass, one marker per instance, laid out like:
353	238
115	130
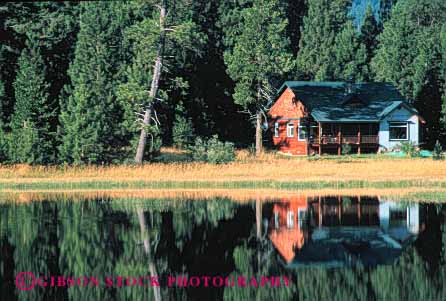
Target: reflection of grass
271	171
279	185
240	195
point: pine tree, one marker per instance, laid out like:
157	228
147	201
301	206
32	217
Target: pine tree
442	40
257	57
325	19
350	57
162	39
90	118
182	130
369	33
408	56
31	137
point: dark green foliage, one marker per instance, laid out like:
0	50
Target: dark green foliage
255	58
409	148
219	55
409	56
182	130
91	115
199	150
32	140
213	150
350	56
257	55
3	145
321	26
438	151
370	30
346	149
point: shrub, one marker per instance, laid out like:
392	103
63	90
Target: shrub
3	146
199	150
213	151
438	151
346	149
220	152
183	130
409	148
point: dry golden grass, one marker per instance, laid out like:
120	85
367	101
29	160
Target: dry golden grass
268	167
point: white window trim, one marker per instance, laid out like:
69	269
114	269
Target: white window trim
290	125
290	219
276	129
302	126
298	132
407	130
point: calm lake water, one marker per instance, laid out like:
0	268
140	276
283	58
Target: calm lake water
307	248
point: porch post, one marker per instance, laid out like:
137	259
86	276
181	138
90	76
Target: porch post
339	140
359	139
320	212
320	138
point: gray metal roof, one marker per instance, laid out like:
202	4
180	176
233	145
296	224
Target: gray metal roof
366	102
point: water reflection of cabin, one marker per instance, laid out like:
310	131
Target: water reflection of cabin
334	231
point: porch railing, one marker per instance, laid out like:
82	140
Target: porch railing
348	139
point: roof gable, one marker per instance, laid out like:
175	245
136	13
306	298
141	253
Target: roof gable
287	106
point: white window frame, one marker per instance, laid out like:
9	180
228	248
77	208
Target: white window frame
308	133
276	129
299	127
276	220
290	219
290	130
391	124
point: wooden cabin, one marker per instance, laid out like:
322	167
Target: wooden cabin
320	117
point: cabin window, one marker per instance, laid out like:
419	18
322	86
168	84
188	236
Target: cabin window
276	220
290	130
276	129
301	217
302	132
290	219
398	131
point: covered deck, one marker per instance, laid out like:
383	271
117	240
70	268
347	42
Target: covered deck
330	137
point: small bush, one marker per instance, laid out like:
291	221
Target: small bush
3	146
199	150
213	151
220	152
409	148
346	149
183	130
438	151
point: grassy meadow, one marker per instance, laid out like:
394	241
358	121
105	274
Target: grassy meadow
271	171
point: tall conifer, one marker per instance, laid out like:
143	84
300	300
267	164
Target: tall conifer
31	138
258	57
90	117
323	22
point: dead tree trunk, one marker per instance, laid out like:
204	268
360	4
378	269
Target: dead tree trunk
258	123
157	68
146	240
259	218
259	133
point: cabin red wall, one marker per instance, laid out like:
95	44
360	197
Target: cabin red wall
287	109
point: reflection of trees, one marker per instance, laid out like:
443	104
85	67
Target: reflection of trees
147	248
89	245
255	259
219	237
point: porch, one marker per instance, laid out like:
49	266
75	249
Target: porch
331	136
